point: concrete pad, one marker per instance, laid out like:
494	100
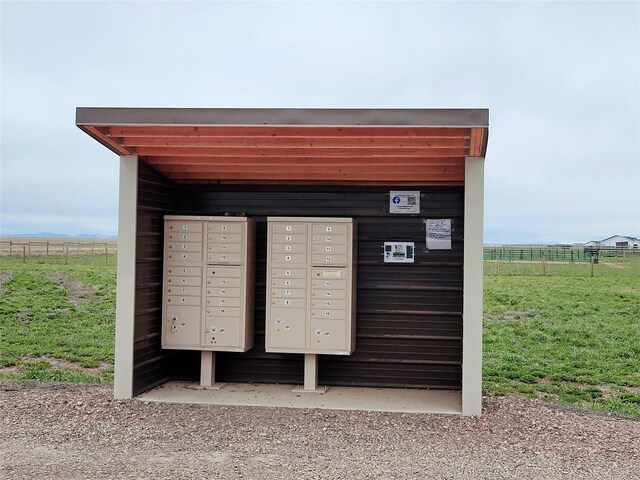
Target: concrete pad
335	398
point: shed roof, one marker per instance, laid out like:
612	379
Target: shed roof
289	146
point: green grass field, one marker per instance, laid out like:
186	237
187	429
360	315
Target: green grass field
57	322
565	336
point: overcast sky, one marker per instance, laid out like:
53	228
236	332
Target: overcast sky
561	82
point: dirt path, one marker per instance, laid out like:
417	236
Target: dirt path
68	432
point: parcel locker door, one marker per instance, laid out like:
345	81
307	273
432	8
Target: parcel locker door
287	328
181	327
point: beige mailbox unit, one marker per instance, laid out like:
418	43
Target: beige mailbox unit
208	283
310	286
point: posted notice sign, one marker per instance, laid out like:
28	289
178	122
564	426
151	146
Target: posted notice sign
438	234
404	202
399	252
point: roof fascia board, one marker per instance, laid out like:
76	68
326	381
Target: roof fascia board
100	116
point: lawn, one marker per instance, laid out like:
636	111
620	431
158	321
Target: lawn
565	336
57	321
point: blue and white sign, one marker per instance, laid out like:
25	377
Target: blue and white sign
404	202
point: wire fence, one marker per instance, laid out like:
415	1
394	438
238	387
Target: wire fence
564	261
60	251
553	254
52	250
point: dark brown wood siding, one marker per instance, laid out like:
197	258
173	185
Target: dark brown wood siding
409	316
156	198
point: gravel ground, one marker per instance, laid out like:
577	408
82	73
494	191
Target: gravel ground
79	432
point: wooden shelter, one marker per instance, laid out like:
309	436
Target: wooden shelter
419	325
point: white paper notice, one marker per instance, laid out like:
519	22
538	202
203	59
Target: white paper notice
404	202
438	234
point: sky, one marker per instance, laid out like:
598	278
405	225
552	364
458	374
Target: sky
561	81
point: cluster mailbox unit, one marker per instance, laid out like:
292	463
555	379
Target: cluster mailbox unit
208	286
340	247
310	290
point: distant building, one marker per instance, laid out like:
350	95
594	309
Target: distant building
618	241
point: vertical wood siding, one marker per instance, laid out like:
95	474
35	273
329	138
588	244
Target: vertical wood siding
156	198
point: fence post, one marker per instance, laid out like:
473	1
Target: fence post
592	263
24	254
47	249
106	254
66	254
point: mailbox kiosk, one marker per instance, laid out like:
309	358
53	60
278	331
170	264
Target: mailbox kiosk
410	180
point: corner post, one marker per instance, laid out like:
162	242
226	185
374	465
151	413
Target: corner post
473	281
126	277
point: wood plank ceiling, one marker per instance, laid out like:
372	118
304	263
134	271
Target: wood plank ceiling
292	155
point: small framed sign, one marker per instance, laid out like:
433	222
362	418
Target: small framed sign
399	252
404	202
